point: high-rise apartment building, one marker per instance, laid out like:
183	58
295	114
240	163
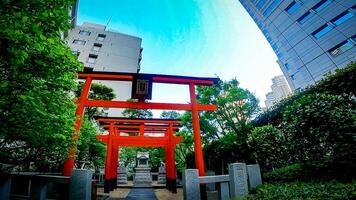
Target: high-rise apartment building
309	37
280	90
102	50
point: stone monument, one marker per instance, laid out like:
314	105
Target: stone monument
161	174
142	177
121	175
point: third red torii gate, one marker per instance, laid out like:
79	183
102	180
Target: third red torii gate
114	139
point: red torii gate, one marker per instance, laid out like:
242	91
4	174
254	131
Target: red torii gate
114	139
137	79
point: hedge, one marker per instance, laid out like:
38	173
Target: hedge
342	82
304	190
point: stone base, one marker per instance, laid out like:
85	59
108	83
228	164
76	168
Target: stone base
161	179
110	185
171	185
142	177
122	179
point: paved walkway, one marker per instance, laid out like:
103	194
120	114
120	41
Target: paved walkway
141	194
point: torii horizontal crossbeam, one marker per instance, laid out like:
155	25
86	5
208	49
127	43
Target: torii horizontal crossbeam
157	78
139	141
145	105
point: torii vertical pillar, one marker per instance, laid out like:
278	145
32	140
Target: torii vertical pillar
171	176
108	166
68	164
199	158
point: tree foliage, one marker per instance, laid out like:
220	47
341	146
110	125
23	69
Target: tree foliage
37	71
317	131
225	131
268	146
320	130
91	151
137	113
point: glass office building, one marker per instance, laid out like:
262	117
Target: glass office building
309	37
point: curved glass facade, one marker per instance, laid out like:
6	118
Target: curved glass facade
309	37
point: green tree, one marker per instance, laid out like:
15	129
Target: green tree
236	106
37	72
170	115
91	151
98	91
268	146
137	113
224	132
320	132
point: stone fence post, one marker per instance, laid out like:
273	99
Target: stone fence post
238	180
254	176
80	184
191	185
5	183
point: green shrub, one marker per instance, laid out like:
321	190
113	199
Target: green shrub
319	130
288	173
267	144
304	190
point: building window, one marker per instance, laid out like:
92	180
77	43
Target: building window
80	42
260	4
280	55
97	47
270	8
321	5
287	66
76	53
342	18
92	58
293	7
101	37
275	47
82	32
322	31
341	48
305	17
292	77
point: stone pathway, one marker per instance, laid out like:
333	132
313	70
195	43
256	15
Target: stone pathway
141	194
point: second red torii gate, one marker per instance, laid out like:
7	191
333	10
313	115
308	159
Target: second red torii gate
114	139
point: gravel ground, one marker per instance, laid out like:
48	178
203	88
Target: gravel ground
119	193
163	194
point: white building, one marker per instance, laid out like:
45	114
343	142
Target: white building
280	90
103	50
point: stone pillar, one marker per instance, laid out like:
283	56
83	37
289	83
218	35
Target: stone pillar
210	186
224	191
191	185
80	184
161	175
254	176
238	180
5	185
122	176
38	189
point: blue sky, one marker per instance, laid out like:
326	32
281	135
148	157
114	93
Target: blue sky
191	37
